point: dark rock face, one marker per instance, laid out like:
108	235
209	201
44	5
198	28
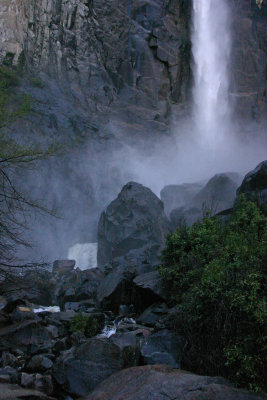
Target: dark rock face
254	185
132	228
249	55
160	382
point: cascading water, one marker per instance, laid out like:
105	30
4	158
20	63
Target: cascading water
211	46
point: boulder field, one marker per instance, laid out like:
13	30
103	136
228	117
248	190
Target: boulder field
107	333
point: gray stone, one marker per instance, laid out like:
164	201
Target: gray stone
132	228
163	347
38	363
160	382
25	333
8	359
254	185
15	392
53	330
153	314
43	383
81	368
9	374
176	196
217	195
63	266
27	380
150	284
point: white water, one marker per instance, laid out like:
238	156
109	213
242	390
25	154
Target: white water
52	309
84	254
211	46
110	330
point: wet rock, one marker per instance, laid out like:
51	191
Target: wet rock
180	217
15	392
77	290
153	314
254	185
176	196
27	380
24	334
132	228
8	359
43	383
63	266
77	338
159	382
218	194
4	378
53	330
148	290
9	375
38	363
81	368
60	345
162	347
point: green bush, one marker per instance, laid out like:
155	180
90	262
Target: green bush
89	326
216	274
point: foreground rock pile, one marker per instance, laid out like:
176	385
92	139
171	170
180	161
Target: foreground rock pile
107	333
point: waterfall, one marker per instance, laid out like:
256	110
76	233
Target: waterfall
85	255
211	46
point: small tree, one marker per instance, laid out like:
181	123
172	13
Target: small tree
15	205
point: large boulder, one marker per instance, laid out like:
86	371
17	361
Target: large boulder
160	382
218	194
162	347
174	196
25	334
82	368
133	227
254	185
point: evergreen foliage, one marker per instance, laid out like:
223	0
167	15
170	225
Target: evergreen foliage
84	324
216	274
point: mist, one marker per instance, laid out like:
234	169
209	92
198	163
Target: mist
207	141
